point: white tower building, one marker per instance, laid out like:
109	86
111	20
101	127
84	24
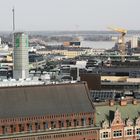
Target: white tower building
134	42
21	60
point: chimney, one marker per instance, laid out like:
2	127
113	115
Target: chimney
123	102
134	102
111	102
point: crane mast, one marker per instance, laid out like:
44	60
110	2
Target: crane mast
121	41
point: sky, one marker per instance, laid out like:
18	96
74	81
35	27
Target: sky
51	15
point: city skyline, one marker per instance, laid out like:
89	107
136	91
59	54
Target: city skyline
51	15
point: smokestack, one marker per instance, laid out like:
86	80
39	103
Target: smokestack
21	59
20	53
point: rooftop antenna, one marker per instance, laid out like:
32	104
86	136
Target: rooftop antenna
13	10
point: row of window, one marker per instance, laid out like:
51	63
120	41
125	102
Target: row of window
43	117
118	133
130	132
46	125
59	136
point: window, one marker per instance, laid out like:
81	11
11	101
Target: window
13	128
105	135
61	124
129	132
29	127
138	131
90	121
76	123
117	133
83	121
37	126
4	130
21	127
45	125
53	125
68	123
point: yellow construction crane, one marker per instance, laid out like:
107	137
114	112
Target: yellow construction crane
121	41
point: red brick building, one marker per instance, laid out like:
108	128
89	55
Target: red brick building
53	112
64	112
119	121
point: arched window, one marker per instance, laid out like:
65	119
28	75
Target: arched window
21	127
4	130
29	127
45	125
83	121
76	122
68	123
14	128
60	124
37	126
11	128
53	124
90	121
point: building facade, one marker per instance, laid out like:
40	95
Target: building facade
65	112
120	122
52	112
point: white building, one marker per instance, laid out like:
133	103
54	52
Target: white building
134	42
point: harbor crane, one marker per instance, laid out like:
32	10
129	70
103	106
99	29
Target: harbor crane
121	41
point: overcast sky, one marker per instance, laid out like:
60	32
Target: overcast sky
70	14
